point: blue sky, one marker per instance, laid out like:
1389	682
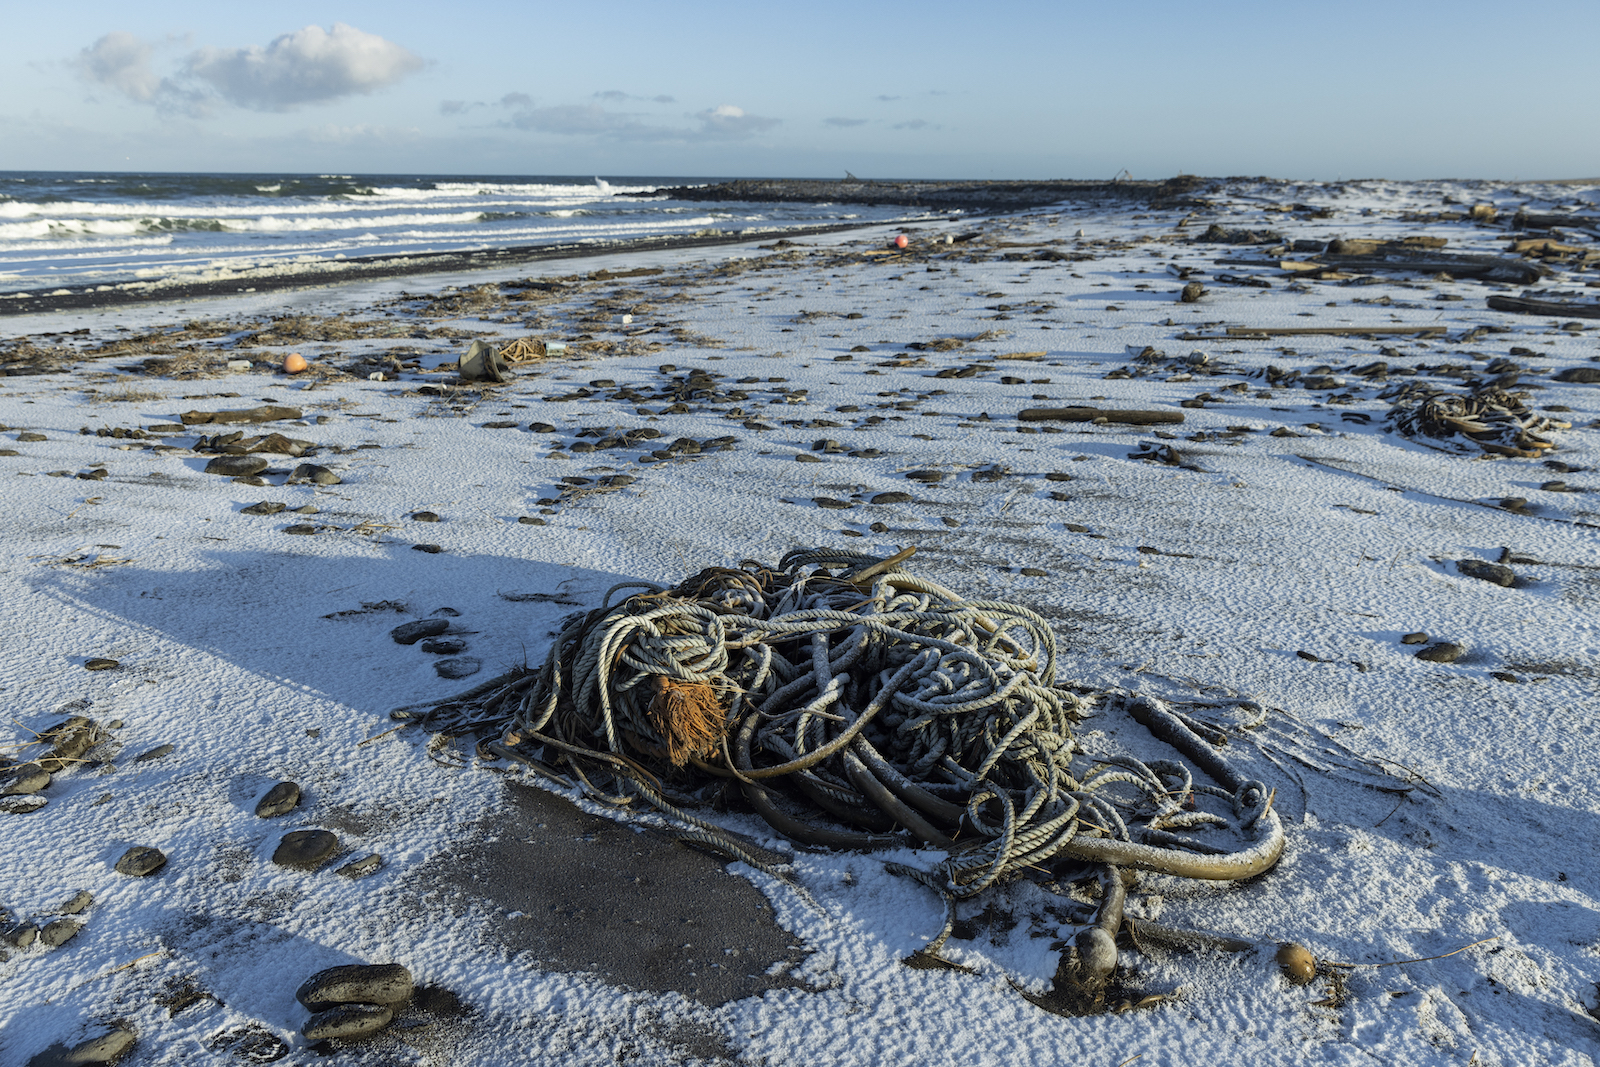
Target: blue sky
928	89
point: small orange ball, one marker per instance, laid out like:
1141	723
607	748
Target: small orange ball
901	241
294	363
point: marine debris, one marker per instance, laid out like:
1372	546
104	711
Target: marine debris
855	705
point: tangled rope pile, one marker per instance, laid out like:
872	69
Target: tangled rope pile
855	705
1490	419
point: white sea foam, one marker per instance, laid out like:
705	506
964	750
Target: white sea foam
95	229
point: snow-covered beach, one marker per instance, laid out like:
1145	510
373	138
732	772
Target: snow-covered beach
1273	564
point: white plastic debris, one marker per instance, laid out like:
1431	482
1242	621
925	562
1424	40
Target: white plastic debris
239	364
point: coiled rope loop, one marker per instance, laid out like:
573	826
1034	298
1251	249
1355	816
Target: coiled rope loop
840	685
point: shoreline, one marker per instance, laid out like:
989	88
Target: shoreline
377	268
979	198
987	196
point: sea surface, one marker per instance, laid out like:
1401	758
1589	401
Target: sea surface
64	229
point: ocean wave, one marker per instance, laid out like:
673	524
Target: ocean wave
89	229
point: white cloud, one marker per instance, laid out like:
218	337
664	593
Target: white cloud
728	121
617	96
305	67
720	123
121	61
845	122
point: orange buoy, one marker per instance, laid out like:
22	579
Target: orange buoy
294	363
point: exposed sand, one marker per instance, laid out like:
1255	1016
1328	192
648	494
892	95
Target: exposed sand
1267	554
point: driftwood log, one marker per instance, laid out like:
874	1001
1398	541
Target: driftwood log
1235	333
1494	268
1521	305
1131	418
269	413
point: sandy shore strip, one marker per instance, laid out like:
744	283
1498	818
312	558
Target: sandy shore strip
1371	463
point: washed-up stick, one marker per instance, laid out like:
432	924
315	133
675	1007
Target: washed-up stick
1521	305
1081	414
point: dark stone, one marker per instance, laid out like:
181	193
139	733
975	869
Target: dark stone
532	520
141	860
1488	572
154	754
806	458
237	466
432	550
892	498
540	427
1418	638
68	741
356	983
1192	293
300	530
279	800
1579	375
80	900
362	867
830	504
250	1044
1058	476
315	474
347	1022
1216	233
23	778
926	477
446	612
22	805
266	507
21	935
501	424
305	850
1442	652
424	516
100	663
107	1048
58	933
409	633
444	646
463	667
1035	572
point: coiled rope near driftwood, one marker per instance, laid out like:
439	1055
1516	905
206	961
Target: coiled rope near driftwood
840	685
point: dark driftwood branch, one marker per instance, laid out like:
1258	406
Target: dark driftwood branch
1248	332
1132	418
1558	308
